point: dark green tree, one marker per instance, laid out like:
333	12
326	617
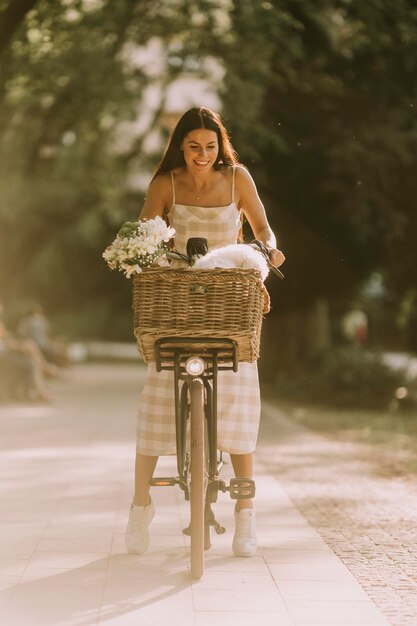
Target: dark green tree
321	99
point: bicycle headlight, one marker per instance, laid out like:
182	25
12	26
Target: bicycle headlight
194	366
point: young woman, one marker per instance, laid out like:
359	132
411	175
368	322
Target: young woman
202	191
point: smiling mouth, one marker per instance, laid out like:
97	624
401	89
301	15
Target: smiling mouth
201	163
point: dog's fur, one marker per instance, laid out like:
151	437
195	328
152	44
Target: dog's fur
235	255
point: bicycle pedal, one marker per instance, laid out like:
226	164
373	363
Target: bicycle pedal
164	482
210	520
242	488
221	486
220	530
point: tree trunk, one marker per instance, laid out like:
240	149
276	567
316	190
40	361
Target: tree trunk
292	338
317	335
11	18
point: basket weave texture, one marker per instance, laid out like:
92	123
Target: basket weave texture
199	303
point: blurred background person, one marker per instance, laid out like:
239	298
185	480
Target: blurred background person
355	326
36	326
27	363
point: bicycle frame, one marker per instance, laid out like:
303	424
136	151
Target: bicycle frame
171	353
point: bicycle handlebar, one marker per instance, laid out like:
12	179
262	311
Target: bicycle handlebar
261	247
255	244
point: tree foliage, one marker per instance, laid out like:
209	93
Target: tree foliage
71	89
321	99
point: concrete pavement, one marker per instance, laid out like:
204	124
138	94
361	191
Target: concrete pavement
66	483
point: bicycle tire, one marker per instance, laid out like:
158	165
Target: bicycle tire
197	496
207	501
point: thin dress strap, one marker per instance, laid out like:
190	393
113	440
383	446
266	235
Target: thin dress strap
173	187
233	183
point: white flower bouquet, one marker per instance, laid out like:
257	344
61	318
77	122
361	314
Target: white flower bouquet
138	245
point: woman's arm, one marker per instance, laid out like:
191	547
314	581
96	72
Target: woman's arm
158	198
250	203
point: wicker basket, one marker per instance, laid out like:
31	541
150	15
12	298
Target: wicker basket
199	303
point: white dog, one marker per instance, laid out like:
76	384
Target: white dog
235	255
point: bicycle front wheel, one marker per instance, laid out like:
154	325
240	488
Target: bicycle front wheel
197	487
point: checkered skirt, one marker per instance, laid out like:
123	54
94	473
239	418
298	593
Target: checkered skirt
238	393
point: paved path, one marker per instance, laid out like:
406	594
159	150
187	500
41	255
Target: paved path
66	480
366	513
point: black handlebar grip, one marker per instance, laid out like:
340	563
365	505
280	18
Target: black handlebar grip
197	247
267	254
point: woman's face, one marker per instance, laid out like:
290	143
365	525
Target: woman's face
200	148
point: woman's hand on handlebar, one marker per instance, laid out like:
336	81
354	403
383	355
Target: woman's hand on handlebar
276	257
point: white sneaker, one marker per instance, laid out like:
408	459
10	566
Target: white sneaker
245	541
137	531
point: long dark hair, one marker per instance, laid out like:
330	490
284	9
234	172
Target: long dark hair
197	117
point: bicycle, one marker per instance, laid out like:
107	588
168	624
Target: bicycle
184	346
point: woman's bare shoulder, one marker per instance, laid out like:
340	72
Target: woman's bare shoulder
158	196
161	188
161	182
227	170
243	177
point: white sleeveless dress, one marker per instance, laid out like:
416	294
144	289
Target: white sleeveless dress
238	393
